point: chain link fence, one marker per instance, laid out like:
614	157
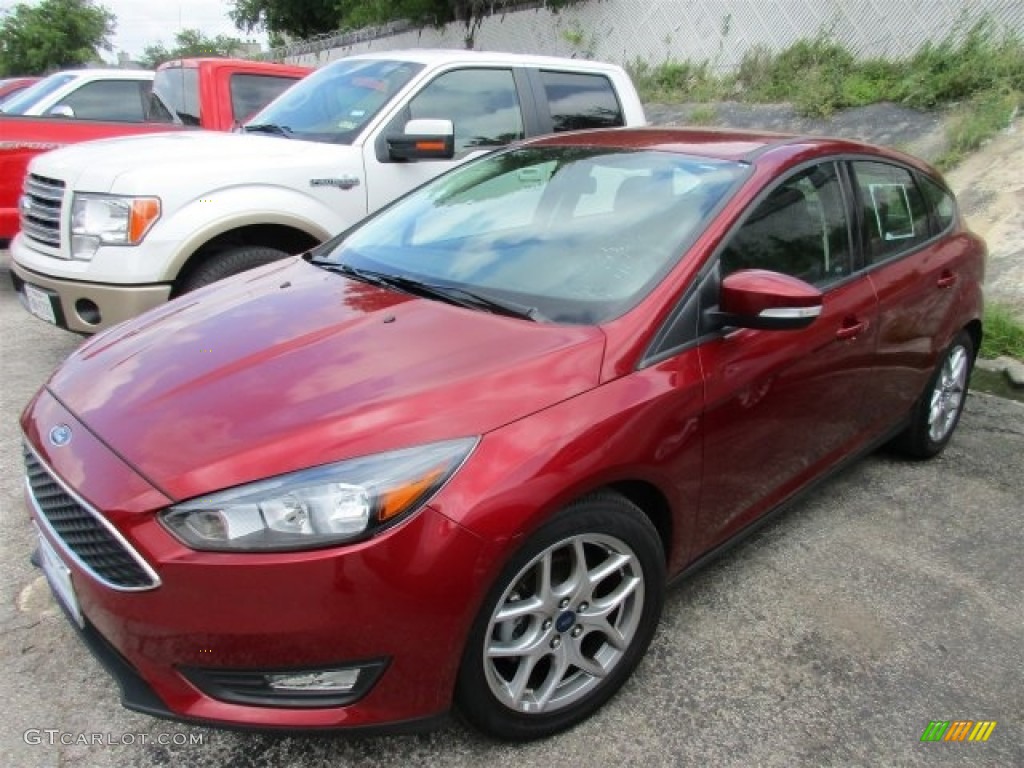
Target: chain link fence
716	31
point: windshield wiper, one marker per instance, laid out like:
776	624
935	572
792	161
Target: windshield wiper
453	295
277	130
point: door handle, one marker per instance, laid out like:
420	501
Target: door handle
946	280
851	329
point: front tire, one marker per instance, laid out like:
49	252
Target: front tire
228	262
938	411
566	622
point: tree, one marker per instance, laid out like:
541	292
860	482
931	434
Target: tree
55	34
306	18
297	18
189	42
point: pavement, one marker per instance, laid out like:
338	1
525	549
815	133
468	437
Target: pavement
891	597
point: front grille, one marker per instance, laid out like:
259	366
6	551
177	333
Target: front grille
86	535
40	209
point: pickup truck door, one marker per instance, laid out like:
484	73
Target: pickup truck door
484	103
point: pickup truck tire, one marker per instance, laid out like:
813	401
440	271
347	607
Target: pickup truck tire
228	262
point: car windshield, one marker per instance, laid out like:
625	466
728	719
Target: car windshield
576	234
335	102
24	101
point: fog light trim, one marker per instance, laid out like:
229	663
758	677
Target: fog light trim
337	685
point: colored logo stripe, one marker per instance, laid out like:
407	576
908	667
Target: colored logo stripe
982	731
958	730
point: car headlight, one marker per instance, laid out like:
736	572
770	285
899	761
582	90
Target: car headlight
109	220
321	506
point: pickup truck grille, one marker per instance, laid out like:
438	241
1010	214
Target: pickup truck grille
40	209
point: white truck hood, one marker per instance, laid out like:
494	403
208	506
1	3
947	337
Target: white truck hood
138	164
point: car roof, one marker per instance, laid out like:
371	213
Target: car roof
126	74
725	144
456	56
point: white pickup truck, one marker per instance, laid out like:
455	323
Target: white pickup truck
112	228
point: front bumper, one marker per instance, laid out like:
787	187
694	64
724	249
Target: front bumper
88	307
406	598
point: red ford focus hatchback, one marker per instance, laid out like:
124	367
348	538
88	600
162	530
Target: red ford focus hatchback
451	457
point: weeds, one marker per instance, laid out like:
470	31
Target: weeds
977	69
1004	333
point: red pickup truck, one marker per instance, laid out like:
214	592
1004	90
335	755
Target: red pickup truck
216	94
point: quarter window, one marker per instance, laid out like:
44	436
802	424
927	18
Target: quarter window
799	229
482	103
941	203
895	218
581	101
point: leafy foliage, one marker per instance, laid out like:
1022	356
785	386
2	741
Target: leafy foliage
307	18
52	35
1004	333
977	70
189	42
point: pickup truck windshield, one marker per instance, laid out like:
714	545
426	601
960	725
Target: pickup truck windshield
335	102
25	100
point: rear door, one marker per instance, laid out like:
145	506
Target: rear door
782	406
915	273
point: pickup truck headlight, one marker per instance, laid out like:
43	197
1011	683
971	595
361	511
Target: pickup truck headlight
109	220
318	507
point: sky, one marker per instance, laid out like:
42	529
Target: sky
147	22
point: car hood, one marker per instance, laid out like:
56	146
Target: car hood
291	366
130	163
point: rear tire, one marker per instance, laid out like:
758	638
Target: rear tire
565	623
228	262
938	411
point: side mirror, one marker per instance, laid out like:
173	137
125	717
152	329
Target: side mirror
61	110
423	140
757	298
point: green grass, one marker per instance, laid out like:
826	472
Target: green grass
1004	333
977	70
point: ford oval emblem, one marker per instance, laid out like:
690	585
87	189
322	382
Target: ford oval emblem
60	435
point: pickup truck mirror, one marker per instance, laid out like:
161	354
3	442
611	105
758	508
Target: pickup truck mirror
423	140
61	110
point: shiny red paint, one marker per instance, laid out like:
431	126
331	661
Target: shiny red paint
290	366
753	291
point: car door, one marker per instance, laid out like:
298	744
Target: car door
483	103
782	406
916	275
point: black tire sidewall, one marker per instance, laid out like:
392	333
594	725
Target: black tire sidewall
604	513
918	439
228	262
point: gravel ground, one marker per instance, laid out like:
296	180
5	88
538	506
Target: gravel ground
890	597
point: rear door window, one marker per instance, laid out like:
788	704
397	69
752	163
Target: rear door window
894	214
579	101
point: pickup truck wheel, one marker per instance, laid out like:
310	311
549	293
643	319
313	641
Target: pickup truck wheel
228	262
